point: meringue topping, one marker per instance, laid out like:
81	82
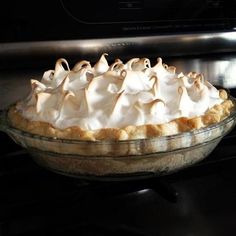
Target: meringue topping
117	95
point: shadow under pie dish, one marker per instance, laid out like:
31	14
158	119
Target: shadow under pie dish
119	119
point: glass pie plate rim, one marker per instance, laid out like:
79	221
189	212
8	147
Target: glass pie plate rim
154	150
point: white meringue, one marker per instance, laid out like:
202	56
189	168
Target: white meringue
116	96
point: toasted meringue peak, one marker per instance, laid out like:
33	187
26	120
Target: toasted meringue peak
184	80
200	77
102	65
82	64
165	66
172	69
159	61
130	63
140	64
198	83
161	70
117	95
194	75
36	85
118	64
59	66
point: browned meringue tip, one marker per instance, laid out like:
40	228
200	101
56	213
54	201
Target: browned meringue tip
146	62
131	62
180	75
165	66
198	82
159	60
195	75
80	65
103	57
172	69
123	75
115	65
60	62
84	70
154	77
160	64
192	74
118	60
157	100
223	94
185	81
200	77
102	60
34	84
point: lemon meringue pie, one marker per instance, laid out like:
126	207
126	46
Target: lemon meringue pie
121	101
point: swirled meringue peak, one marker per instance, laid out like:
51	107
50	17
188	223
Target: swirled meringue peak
116	95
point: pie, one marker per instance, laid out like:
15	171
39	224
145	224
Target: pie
120	101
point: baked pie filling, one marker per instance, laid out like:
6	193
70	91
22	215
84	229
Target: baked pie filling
121	101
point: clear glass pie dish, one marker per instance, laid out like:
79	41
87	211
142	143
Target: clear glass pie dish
115	160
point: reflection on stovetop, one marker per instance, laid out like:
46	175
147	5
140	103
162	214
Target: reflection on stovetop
200	200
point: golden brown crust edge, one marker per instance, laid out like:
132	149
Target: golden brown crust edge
183	124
